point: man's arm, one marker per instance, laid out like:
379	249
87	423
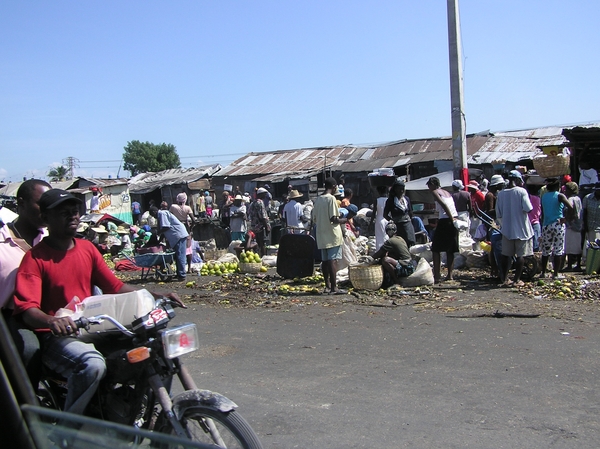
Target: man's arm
36	319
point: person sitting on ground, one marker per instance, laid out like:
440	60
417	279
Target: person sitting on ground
42	288
394	255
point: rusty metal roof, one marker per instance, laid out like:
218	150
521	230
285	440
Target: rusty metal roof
147	182
482	148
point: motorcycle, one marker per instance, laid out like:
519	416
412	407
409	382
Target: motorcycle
136	391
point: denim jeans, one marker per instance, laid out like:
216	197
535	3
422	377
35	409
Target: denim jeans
537	233
80	363
28	346
180	259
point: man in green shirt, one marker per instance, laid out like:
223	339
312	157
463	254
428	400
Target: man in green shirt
395	257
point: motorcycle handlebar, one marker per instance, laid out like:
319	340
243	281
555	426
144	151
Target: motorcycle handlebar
84	323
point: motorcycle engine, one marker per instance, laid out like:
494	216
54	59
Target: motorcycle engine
119	404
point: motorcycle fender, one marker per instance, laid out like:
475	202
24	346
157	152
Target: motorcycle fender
207	398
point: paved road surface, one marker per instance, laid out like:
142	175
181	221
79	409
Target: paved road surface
352	376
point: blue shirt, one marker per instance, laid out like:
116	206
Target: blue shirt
552	208
173	229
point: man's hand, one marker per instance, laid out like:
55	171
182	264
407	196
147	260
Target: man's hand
176	299
62	326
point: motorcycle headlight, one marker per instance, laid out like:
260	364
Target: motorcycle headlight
180	340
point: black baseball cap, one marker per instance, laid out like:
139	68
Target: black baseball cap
55	197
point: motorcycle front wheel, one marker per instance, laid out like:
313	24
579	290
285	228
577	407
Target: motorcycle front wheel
223	430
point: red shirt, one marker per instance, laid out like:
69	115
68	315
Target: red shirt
477	199
48	279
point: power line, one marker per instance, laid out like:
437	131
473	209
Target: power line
112	160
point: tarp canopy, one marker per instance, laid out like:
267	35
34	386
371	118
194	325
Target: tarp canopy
417	189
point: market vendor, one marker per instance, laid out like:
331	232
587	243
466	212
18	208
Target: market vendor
395	257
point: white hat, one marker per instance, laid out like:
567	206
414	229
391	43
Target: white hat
496	180
261	190
458	184
239	197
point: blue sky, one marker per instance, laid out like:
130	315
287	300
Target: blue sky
219	79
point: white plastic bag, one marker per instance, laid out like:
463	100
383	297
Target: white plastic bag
124	307
423	275
228	257
349	255
269	261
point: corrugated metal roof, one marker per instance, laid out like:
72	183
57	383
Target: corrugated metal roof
511	148
481	148
147	182
103	182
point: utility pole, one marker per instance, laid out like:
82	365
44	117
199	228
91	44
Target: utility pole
459	138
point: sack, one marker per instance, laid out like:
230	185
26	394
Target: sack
349	255
423	275
228	257
269	260
593	260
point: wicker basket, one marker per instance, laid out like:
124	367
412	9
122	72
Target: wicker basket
253	267
366	277
551	166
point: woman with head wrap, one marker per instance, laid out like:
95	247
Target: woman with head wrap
185	215
573	244
399	209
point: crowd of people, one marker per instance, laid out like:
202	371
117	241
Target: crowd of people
40	245
517	218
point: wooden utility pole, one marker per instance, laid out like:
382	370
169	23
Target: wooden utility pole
459	138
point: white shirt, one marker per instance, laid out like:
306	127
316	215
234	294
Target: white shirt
292	213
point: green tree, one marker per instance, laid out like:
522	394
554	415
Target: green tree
57	174
141	157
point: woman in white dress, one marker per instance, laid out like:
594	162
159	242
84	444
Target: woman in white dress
380	220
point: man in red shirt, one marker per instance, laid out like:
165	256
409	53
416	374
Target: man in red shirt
51	274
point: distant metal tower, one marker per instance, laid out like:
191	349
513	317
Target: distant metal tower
71	163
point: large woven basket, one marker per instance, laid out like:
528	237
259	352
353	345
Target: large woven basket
551	166
366	277
252	267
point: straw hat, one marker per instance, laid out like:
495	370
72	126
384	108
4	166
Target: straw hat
82	227
100	229
122	230
294	194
